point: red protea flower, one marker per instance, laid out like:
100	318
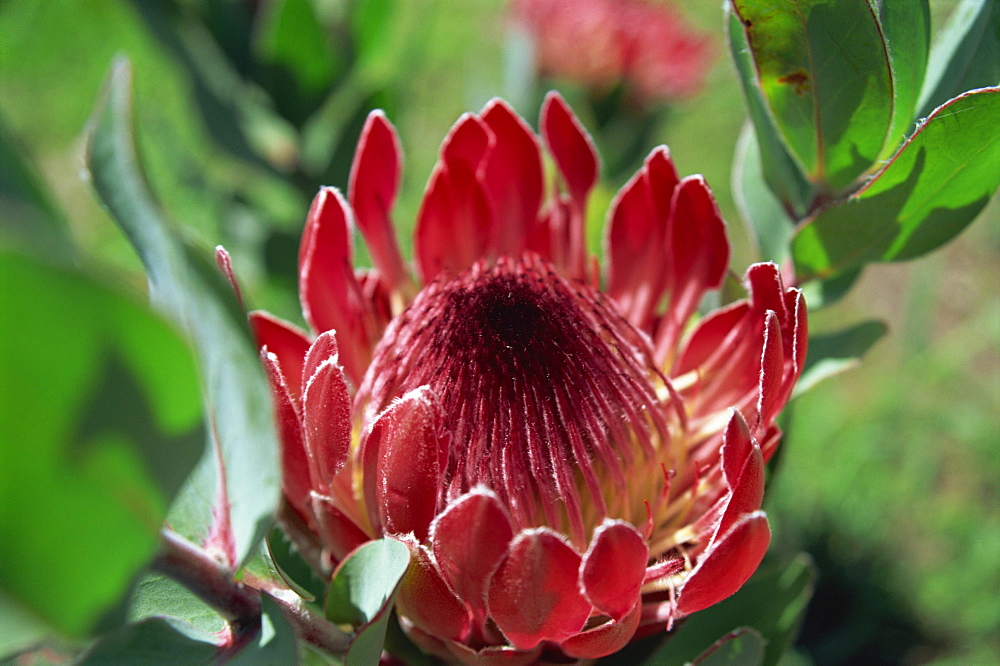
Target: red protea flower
599	43
570	466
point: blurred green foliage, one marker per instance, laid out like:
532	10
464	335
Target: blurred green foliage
890	472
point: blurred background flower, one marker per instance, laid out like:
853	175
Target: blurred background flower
648	47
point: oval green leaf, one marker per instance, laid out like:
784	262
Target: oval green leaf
932	189
362	592
782	174
825	72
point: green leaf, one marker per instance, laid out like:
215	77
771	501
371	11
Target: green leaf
171	625
833	353
29	215
372	21
300	65
292	567
966	54
931	190
151	642
156	595
763	214
186	287
362	593
276	642
101	408
906	28
824	69
781	173
824	293
740	647
772	602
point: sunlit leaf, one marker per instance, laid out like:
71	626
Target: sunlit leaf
824	70
156	595
823	293
186	286
934	187
782	174
906	28
150	642
362	592
101	425
833	353
966	54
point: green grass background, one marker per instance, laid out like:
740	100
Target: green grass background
891	474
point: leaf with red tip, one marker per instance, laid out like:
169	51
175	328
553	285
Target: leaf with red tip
412	453
604	639
614	567
372	189
570	146
513	177
296	481
327	286
225	264
426	600
533	596
726	565
468	540
286	342
326	421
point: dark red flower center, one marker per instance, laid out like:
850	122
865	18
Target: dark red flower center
547	392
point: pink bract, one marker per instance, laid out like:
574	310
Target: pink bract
572	460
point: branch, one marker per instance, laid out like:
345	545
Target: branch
238	602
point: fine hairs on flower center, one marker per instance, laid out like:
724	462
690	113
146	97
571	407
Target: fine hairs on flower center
547	392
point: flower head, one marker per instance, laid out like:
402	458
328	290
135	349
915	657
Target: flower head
570	465
599	43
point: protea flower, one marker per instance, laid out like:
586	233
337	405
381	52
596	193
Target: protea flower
598	43
572	465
